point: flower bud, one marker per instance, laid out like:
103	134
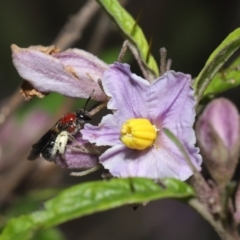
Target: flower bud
73	73
218	136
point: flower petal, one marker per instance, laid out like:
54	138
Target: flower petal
73	73
155	163
172	101
156	101
130	102
128	92
106	134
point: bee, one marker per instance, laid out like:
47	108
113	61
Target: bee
54	141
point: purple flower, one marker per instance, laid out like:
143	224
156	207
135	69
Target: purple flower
138	146
73	73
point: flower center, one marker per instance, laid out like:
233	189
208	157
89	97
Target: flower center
138	133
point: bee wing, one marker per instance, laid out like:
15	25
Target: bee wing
43	143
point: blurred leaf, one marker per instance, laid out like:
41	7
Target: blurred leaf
214	63
26	204
131	31
224	80
49	234
29	202
91	197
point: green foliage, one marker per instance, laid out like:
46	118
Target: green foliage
87	198
49	234
224	80
29	202
131	31
214	63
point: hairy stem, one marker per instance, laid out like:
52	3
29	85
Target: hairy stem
224	234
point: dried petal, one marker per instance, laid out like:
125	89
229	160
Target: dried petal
28	91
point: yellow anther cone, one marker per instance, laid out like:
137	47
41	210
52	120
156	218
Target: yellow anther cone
138	133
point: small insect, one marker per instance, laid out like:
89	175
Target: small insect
55	140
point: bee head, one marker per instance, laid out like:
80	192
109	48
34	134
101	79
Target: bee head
83	115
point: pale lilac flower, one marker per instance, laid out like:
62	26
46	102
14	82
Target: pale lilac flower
73	73
168	102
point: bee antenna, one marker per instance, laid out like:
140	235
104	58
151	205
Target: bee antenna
88	100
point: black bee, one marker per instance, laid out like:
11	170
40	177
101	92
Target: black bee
55	140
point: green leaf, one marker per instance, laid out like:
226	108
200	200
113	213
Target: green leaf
130	30
87	198
224	80
28	202
216	60
49	234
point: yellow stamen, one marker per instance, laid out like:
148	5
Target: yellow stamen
138	133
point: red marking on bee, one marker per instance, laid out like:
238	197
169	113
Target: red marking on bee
69	120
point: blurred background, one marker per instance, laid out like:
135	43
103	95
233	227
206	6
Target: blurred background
190	30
